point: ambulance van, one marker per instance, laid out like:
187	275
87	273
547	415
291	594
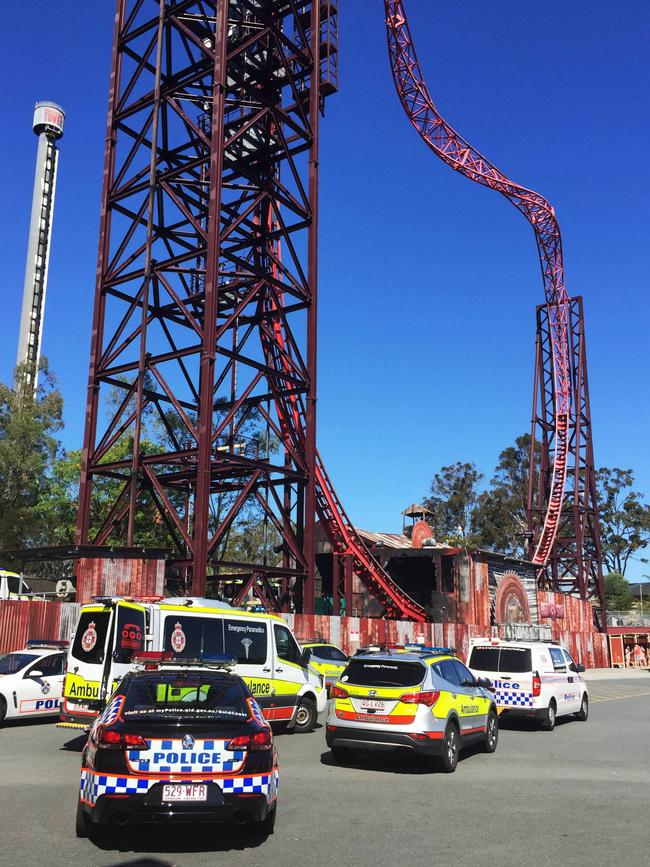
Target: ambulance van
111	631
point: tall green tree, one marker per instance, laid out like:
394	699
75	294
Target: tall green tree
624	518
500	517
28	449
453	499
618	596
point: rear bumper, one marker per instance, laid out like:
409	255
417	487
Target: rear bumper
521	712
369	739
235	809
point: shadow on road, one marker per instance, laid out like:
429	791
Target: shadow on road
394	762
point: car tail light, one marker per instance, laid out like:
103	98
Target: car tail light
537	685
135	742
261	740
110	740
429	698
339	692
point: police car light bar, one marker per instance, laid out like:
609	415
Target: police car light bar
152	659
47	642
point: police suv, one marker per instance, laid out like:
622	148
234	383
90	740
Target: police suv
179	741
31	680
533	679
111	631
421	701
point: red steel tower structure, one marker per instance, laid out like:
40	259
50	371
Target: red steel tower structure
201	402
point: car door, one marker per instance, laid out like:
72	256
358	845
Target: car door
575	682
461	697
475	709
560	680
288	675
128	638
41	686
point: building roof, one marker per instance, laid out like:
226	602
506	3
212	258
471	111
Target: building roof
390	540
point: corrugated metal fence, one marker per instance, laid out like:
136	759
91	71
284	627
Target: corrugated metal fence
20	621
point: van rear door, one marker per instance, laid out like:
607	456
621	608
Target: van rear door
128	631
509	667
87	659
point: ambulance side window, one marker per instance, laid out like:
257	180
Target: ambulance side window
557	657
245	640
449	672
286	644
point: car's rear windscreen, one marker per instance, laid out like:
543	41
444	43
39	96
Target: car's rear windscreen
383	672
190	696
502	659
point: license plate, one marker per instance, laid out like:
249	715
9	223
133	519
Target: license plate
372	704
184	792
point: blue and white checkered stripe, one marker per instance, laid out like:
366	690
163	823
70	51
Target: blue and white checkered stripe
148	761
257	712
514	698
259	785
111	711
94	785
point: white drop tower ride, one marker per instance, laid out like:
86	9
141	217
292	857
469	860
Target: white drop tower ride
48	126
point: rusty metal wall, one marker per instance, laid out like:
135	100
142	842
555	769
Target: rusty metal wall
572	625
119	577
20	621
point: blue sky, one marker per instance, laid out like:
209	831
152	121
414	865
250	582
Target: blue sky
428	283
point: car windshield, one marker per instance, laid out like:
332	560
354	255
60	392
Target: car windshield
194	695
13	662
383	672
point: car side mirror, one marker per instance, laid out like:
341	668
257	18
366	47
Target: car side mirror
579	668
485	682
304	657
35	674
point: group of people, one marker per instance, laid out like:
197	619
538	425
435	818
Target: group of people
635	656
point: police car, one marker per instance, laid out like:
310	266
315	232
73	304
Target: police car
423	701
533	679
327	659
179	741
31	680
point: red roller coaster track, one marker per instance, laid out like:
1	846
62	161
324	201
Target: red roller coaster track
451	147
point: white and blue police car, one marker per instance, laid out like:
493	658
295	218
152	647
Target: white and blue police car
31	680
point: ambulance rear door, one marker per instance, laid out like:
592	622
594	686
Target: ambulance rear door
87	658
129	628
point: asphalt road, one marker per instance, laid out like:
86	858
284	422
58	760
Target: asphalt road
578	795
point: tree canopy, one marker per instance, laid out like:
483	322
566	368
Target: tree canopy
624	518
618	596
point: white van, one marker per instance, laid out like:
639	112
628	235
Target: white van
111	631
13	586
531	678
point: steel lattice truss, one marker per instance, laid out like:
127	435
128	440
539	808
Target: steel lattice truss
567	431
202	387
461	156
575	565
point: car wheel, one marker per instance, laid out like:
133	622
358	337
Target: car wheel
548	722
491	733
81	821
3	709
450	748
340	754
306	716
583	713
